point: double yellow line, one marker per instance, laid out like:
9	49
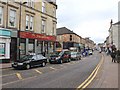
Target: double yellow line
91	77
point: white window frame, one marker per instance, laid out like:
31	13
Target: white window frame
27	21
31	22
53	30
54	11
1	15
32	3
43	28
43	7
12	16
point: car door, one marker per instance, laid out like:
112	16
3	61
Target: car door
40	60
34	60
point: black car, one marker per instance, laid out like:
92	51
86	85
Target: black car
29	61
63	56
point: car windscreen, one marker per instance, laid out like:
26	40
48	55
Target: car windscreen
27	57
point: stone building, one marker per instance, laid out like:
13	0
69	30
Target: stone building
67	38
27	26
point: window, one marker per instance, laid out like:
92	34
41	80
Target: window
30	3
43	26
54	11
27	22
31	23
12	20
70	37
43	7
27	4
2	49
1	15
53	32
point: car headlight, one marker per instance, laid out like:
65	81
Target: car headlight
57	57
20	63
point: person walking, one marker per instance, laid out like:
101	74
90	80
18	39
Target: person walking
113	54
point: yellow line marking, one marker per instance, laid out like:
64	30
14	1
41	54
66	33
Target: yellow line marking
52	68
19	76
38	71
94	71
18	80
93	76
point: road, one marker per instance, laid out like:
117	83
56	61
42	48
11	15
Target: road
66	75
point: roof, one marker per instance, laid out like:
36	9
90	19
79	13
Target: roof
116	23
64	30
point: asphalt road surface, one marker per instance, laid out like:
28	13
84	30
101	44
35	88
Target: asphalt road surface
66	75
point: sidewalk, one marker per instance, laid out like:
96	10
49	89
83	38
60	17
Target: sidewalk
5	65
107	76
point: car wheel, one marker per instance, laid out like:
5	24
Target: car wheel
61	61
28	66
43	64
69	60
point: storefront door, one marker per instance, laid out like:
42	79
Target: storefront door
13	49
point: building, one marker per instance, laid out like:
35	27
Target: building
114	35
27	26
67	38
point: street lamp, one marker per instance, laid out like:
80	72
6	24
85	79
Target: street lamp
18	56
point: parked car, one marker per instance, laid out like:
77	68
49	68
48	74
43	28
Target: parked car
29	61
75	56
90	52
63	56
78	55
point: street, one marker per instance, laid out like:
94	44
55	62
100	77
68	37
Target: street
66	75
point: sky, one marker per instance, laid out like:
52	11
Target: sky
87	18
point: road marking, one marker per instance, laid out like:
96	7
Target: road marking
19	76
91	77
38	71
53	68
8	75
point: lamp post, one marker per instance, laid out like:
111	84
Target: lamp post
18	50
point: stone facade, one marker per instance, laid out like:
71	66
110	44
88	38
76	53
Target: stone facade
40	36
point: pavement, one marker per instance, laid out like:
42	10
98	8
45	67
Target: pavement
107	76
5	65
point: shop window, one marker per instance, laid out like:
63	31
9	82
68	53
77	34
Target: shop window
2	49
22	47
1	15
12	19
31	45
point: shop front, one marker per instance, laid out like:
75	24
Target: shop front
5	39
36	43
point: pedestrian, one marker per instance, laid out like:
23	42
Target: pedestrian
113	54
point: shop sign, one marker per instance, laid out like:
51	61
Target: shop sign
5	33
2	49
37	36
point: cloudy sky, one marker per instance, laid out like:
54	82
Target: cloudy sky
87	18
